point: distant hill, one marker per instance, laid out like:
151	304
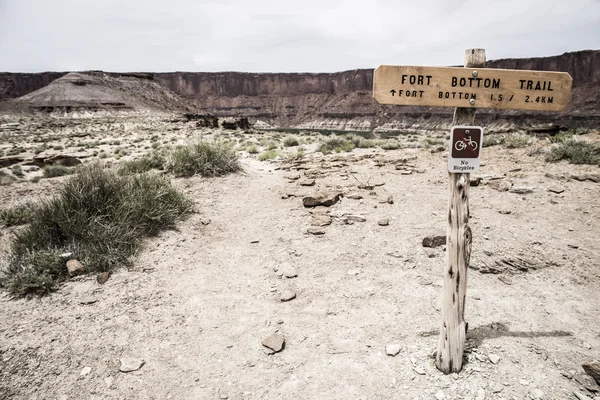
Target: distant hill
97	91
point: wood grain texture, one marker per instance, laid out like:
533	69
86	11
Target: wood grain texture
453	330
455	87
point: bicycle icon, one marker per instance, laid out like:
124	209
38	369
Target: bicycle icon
461	145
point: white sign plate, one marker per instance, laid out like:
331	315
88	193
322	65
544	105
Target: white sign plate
465	149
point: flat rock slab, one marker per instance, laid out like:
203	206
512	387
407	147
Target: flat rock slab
288	271
522	190
351	219
74	267
320	220
315	230
556	189
434	241
322	199
131	364
383	222
274	343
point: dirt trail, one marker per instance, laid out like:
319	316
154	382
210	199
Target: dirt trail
199	301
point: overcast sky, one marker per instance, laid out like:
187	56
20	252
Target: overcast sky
282	35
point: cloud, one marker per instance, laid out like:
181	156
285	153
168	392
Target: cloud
269	35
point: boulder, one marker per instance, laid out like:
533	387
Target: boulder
322	199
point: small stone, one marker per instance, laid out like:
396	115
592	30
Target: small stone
523	382
102	277
419	370
293	177
275	342
74	267
354	196
85	371
287	295
351	219
390	199
556	189
255	241
440	395
567	374
131	364
322	199
497	388
87	301
593	370
383	222
307	182
315	230
537	394
320	220
288	271
494	358
392	349
205	221
480	394
434	241
475	181
522	190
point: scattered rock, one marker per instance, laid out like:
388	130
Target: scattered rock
593	370
307	182
102	277
131	364
419	370
522	190
440	395
390	199
392	349
255	241
501	186
320	220
556	189
293	177
434	241
88	300
74	267
322	199
586	177
85	371
205	221
315	230
480	394
354	196
351	219
287	295
288	271
275	343
581	396
494	358
536	394
383	222
475	181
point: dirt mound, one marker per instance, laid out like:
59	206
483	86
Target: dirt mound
97	91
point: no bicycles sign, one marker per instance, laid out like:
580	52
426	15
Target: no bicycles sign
465	146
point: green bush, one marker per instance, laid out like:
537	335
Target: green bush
337	144
576	152
17	171
203	158
6	179
52	171
290	141
267	155
489	141
516	141
147	162
252	149
18	215
98	216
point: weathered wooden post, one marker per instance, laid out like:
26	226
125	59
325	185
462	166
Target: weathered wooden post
466	89
453	330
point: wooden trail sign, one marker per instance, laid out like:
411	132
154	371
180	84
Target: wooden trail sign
472	87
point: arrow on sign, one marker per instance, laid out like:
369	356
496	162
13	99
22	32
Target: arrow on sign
393	92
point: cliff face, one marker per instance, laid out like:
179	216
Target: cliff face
341	100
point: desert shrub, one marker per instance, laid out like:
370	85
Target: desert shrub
290	141
562	137
576	152
147	162
337	144
252	149
390	144
52	171
516	141
18	215
203	158
6	179
17	171
298	155
267	155
429	142
489	141
98	216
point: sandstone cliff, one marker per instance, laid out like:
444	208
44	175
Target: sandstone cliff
343	100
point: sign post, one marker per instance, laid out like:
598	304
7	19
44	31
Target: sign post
466	89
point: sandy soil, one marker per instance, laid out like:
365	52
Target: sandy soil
199	300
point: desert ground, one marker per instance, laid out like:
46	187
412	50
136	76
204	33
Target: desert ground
342	286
